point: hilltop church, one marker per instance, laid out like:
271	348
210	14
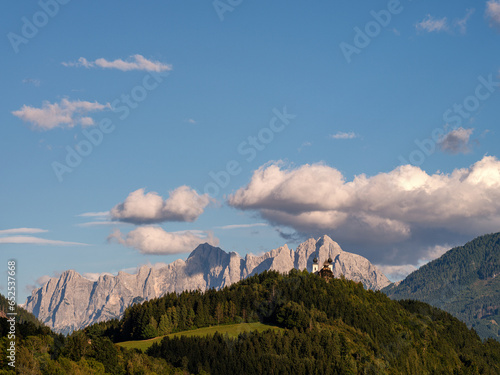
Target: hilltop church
326	272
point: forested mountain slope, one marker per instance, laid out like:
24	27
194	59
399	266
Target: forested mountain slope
465	281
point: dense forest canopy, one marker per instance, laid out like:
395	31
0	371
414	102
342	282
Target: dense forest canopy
329	327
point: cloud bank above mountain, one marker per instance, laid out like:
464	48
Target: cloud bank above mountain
389	216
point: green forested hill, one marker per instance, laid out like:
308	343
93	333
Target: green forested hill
465	281
334	327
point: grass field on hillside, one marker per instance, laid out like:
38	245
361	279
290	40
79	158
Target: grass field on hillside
233	330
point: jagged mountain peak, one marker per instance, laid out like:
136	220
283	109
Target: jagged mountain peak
324	239
70	275
205	250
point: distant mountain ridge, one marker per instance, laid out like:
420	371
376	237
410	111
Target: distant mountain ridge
73	302
465	282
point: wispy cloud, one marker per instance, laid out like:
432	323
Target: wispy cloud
493	12
431	24
59	115
239	226
462	22
32	81
95	214
135	62
37	241
22	231
304	145
343	135
191	121
457	141
101	223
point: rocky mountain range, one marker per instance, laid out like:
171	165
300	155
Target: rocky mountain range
73	302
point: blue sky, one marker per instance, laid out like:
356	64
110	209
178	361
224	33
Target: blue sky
373	122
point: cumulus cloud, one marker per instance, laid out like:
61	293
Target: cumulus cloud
59	115
134	62
456	141
183	204
388	216
493	12
155	240
431	24
37	241
343	135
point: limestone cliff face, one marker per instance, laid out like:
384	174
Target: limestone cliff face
73	302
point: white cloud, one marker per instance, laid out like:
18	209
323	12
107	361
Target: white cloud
154	240
59	115
430	24
456	141
134	62
343	135
183	204
493	12
398	214
22	231
191	121
240	226
36	241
